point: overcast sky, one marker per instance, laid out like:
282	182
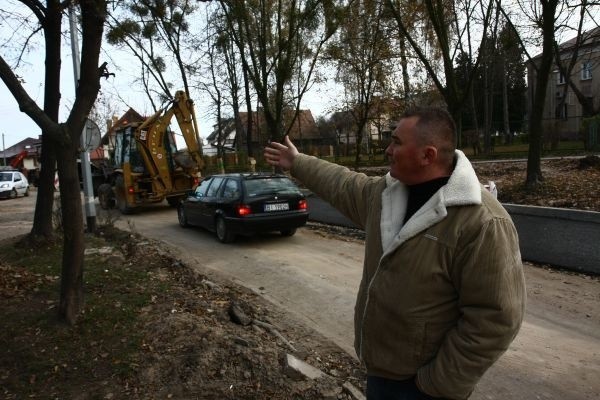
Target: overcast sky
16	126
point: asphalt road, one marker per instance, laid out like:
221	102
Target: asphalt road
314	277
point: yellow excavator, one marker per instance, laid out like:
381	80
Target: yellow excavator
146	166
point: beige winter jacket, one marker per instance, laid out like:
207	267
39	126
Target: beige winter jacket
447	297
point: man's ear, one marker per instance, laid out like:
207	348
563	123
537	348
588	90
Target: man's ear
429	155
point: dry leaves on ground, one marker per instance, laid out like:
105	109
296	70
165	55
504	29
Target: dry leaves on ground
568	183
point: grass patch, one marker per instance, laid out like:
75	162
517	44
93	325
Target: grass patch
40	354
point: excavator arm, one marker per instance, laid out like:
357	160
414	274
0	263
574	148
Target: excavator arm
150	134
183	107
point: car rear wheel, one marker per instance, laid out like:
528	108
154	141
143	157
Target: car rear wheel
174	201
223	234
182	217
288	232
26	192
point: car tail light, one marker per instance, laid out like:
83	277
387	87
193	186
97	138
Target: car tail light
243	210
196	181
131	190
302	205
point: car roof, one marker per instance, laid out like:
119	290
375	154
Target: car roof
249	175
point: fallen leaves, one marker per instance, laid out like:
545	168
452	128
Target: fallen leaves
566	184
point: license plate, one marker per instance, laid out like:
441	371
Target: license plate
277	207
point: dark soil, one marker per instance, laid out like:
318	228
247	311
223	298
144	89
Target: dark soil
181	343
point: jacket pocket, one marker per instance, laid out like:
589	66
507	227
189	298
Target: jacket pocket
433	335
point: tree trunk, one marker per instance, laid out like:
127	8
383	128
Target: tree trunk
42	228
93	17
405	76
505	115
487	123
359	136
71	285
474	139
534	169
250	120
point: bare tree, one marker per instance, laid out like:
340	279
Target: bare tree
225	68
272	38
451	25
543	16
363	58
65	137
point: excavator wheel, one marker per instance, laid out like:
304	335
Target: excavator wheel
106	196
120	196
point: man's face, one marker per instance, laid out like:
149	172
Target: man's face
404	153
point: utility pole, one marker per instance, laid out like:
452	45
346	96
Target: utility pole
3	151
86	171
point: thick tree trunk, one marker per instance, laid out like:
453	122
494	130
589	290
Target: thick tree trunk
93	16
42	228
71	285
534	169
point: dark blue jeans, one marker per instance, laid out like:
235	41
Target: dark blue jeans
389	389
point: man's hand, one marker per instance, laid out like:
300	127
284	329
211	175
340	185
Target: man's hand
281	155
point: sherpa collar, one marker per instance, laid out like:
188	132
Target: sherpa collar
463	188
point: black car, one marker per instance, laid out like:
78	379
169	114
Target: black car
245	203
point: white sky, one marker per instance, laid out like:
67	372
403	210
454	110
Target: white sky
16	126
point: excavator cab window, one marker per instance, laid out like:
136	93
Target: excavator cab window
126	150
119	156
171	147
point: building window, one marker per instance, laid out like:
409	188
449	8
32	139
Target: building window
560	78
586	70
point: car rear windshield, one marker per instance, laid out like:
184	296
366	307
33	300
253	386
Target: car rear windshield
262	186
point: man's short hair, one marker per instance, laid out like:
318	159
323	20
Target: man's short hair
435	126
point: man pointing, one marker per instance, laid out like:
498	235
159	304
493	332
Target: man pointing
442	293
